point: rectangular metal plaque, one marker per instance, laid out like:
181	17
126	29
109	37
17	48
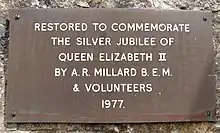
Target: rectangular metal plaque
110	66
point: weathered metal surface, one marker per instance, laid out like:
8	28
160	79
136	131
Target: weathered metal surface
34	94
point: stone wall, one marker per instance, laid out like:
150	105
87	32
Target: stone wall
204	127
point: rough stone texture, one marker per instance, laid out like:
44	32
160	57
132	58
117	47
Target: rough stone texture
204	127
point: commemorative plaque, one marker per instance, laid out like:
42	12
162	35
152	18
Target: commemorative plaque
110	66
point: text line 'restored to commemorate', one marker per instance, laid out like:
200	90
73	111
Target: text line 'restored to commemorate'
116	27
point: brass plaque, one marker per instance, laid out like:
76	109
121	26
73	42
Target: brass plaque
110	66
